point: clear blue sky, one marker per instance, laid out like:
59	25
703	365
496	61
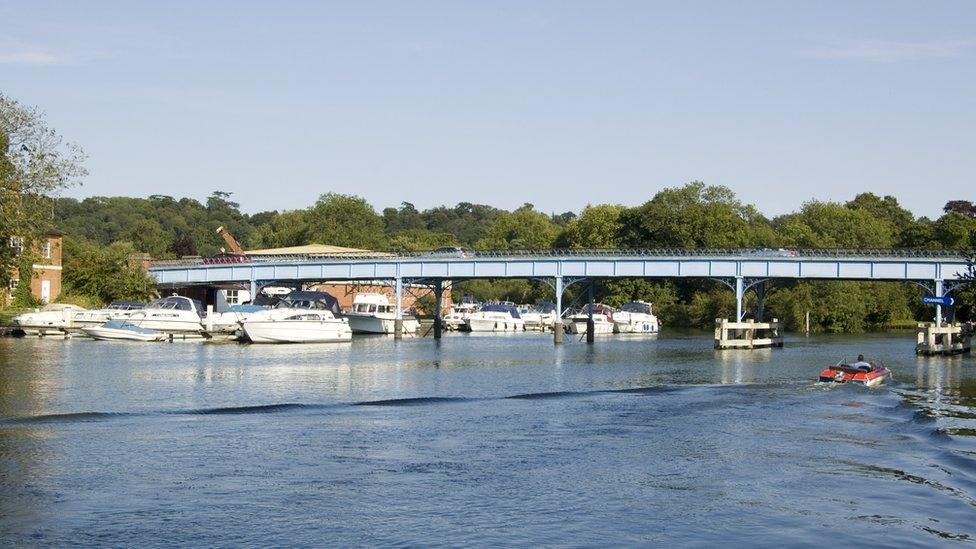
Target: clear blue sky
555	103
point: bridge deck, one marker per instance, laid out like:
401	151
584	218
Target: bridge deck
908	265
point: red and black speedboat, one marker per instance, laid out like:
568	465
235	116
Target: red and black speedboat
868	373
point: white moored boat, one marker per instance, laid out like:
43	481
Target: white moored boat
302	317
539	316
460	312
122	330
117	310
635	317
373	314
495	317
52	319
175	314
602	320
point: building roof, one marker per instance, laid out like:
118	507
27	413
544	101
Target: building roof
316	249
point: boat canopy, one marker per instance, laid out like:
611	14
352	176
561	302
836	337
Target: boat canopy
310	300
545	307
598	309
178	303
636	307
500	308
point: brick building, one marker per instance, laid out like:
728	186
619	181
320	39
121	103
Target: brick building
46	280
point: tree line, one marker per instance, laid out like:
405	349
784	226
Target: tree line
694	215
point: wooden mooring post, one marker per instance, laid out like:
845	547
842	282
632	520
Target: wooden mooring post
747	334
947	339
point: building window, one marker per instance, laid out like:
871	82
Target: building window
17	243
11	286
46	249
232	297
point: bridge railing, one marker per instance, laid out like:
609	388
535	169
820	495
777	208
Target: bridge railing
730	253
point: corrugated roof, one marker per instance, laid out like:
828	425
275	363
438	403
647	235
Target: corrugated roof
315	249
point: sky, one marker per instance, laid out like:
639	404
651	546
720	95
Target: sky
559	104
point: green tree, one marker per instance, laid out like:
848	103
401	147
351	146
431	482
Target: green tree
417	240
35	163
104	273
345	220
596	227
693	216
523	229
832	225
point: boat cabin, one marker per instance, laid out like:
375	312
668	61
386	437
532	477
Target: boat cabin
500	308
636	307
372	304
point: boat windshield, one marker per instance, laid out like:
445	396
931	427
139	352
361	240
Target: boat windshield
310	300
637	307
500	308
174	303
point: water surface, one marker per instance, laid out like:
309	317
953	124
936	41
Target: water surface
481	440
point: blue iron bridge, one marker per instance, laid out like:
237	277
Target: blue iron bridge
938	271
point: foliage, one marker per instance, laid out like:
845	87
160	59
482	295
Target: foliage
35	163
693	216
523	229
596	227
345	220
104	273
23	298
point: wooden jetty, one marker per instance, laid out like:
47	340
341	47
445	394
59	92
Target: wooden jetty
945	339
747	334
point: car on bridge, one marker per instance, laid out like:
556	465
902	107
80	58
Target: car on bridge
771	252
450	251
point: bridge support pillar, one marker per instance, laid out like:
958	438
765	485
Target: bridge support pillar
253	289
438	294
398	319
589	318
738	298
557	322
760	301
938	307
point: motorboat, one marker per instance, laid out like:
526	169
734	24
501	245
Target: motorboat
460	312
172	315
122	330
539	316
226	325
495	317
301	317
860	372
373	313
115	311
602	320
635	317
52	319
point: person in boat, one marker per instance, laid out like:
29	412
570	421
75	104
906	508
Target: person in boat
861	364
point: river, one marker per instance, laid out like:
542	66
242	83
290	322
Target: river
482	440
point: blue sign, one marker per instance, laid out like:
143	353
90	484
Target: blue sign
932	300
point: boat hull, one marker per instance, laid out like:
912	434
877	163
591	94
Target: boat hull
113	334
578	326
868	379
297	331
636	327
494	325
372	324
